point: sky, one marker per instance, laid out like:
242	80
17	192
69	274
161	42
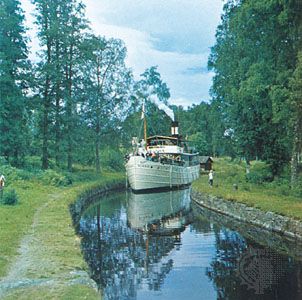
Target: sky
175	35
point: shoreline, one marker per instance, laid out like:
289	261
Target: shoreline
49	263
270	221
49	260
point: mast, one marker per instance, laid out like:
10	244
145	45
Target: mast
145	131
145	123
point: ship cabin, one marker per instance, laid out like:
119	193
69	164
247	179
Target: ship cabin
164	144
171	150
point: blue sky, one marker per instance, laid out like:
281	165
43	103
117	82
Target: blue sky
175	35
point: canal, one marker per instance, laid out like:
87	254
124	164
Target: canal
162	246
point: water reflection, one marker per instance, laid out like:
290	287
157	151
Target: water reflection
147	246
165	213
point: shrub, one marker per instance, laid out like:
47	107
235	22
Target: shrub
112	159
297	189
13	174
260	176
51	177
32	163
246	188
10	197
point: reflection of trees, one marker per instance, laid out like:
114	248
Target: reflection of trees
201	224
281	271
122	260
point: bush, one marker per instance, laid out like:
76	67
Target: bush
10	197
260	174
112	159
297	189
246	188
13	174
32	163
51	177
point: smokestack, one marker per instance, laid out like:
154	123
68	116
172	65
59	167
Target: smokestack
174	129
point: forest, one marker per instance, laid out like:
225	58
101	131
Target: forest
78	103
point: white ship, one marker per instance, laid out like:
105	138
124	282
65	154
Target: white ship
161	162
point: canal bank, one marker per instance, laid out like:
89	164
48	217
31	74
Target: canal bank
267	220
163	246
46	261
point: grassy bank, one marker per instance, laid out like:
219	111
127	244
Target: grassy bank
49	257
257	189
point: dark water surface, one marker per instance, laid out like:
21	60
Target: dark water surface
162	246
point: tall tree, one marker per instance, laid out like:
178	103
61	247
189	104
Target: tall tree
152	90
13	67
296	118
108	85
77	24
253	59
61	24
46	10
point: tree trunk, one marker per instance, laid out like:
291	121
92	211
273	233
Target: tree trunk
294	158
97	150
248	166
98	127
69	135
69	112
45	130
46	109
57	107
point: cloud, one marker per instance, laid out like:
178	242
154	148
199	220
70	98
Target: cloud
180	26
196	70
32	30
175	35
171	65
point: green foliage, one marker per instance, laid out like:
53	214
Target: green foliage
12	174
200	143
276	196
51	177
202	124
13	67
112	159
107	81
253	73
260	176
33	163
10	197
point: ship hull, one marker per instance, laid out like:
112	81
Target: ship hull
144	174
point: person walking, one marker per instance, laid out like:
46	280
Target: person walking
2	182
211	178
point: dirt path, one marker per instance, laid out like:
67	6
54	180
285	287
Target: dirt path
37	263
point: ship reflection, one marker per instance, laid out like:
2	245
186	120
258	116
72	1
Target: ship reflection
165	213
127	243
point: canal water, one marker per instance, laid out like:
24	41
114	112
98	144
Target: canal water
162	246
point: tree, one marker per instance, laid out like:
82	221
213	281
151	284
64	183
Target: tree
13	69
154	92
296	118
254	60
72	58
45	70
108	83
61	24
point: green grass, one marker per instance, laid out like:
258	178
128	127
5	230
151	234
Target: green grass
273	196
77	291
16	220
56	248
